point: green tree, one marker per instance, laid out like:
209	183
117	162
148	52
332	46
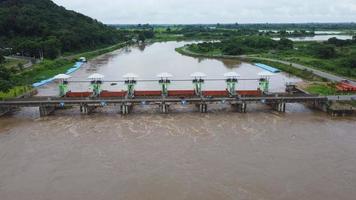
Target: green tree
2	58
5	79
141	37
40	28
232	49
20	67
324	50
149	34
350	62
51	47
285	43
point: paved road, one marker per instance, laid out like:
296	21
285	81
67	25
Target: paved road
330	77
342	98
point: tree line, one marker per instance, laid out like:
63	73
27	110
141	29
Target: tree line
243	45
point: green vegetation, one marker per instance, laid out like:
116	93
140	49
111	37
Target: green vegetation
40	28
2	58
242	45
92	54
317	85
50	68
322	89
335	56
328	56
5	79
225	31
15	64
44	70
304	74
14	92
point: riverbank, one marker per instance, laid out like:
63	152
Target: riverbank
315	84
307	75
333	57
49	68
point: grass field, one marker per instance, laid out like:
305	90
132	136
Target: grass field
14	92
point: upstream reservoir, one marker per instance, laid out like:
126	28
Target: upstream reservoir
149	60
185	155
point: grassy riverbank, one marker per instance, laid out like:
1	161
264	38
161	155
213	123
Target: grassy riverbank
15	92
334	56
341	62
92	54
325	89
314	84
215	54
49	68
286	68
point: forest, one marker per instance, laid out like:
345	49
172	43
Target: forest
40	28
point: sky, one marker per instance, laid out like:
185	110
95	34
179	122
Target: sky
214	11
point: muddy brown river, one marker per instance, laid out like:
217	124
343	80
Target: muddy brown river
260	155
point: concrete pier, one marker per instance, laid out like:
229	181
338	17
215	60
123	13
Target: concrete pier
164	108
241	107
4	110
203	107
87	105
86	110
46	110
125	109
279	107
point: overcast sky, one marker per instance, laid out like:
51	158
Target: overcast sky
214	11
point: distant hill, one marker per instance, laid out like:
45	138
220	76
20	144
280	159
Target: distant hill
42	28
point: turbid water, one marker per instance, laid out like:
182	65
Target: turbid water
302	154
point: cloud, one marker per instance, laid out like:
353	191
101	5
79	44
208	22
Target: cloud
214	11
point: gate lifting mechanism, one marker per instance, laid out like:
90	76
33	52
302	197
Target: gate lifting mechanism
264	82
130	84
164	82
231	81
96	83
198	82
63	84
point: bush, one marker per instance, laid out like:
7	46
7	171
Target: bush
232	49
338	42
5	79
349	62
2	59
324	50
285	43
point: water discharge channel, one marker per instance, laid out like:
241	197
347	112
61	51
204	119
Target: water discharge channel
301	154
